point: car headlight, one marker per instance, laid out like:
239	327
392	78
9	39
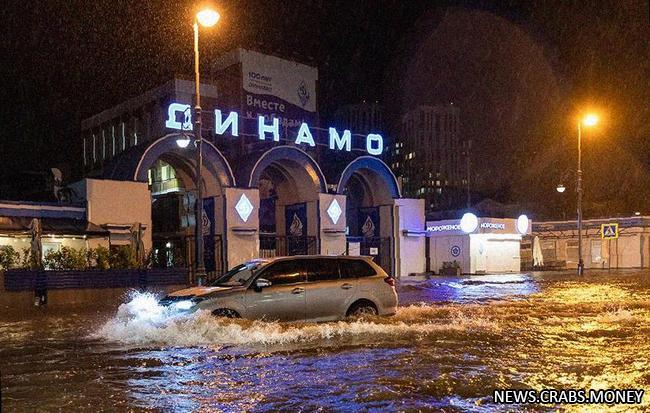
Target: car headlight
184	305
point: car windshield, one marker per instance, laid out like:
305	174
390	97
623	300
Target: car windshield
239	275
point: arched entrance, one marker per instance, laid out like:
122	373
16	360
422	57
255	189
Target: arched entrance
289	181
171	174
370	187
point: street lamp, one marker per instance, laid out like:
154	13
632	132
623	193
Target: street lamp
588	120
561	188
207	18
183	141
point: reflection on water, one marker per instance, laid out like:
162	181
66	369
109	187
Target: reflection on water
467	289
454	341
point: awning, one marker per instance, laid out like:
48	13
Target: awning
52	226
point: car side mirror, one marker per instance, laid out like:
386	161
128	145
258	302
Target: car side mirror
261	283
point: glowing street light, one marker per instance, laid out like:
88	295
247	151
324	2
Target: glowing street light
561	188
207	17
588	120
183	141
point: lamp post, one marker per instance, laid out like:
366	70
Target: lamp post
208	18
588	120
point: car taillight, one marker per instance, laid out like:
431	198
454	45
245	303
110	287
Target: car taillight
390	281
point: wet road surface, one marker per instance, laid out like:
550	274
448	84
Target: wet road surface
451	343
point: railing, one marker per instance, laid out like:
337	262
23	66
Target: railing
381	249
217	255
279	245
20	280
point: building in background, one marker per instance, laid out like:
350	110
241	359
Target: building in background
362	117
427	154
608	243
134	122
253	83
274	181
248	82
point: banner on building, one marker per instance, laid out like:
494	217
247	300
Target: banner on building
275	87
368	222
296	220
296	228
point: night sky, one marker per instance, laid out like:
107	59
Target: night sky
520	72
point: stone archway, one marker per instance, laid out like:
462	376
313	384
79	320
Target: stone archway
289	181
172	196
370	188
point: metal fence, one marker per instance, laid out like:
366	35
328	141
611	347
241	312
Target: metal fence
279	246
214	252
21	280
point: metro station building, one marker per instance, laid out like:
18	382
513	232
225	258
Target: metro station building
275	180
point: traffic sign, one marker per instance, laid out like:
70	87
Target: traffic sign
609	231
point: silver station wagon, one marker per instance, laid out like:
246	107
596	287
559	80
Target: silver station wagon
314	288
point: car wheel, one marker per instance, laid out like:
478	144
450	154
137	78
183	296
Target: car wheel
225	312
362	309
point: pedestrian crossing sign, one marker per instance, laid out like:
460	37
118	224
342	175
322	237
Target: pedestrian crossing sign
609	231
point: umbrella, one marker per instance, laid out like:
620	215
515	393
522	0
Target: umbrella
538	258
36	245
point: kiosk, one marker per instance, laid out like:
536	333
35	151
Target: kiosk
476	245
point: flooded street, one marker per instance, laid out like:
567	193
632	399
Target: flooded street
451	343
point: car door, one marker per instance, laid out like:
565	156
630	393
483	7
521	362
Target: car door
328	295
284	299
364	274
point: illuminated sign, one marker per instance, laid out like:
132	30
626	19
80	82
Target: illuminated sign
334	211
172	118
179	117
244	207
440	228
471	224
492	225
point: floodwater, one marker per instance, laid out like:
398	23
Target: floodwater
451	343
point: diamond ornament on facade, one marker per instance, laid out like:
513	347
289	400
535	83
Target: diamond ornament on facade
334	211
244	207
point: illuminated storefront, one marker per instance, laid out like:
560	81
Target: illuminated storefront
476	245
53	226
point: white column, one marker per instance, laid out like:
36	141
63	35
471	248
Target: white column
242	225
409	237
332	224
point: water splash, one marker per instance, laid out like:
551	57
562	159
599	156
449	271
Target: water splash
141	321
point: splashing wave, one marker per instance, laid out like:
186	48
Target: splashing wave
141	321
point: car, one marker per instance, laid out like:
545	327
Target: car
310	288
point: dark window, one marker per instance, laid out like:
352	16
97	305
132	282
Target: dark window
355	269
321	269
284	272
